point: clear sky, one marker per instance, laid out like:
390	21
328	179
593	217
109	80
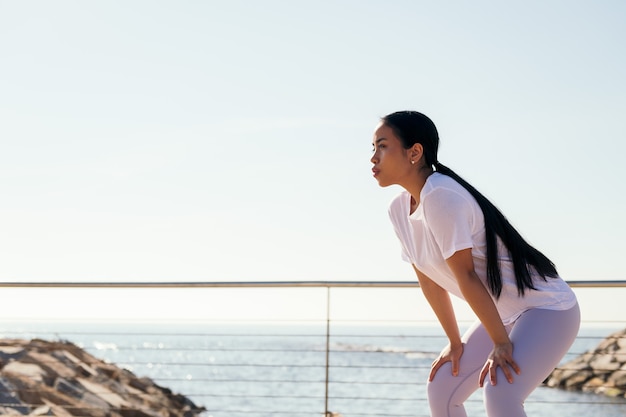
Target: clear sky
230	140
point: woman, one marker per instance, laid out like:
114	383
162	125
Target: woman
460	243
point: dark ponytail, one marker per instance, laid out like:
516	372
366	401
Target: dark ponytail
413	127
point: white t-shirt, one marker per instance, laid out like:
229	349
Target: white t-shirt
449	219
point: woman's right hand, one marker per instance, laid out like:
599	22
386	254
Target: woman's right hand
448	354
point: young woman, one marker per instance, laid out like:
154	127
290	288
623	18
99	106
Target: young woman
459	243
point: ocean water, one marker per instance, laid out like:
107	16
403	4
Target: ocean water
247	369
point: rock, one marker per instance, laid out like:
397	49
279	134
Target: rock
593	385
42	378
605	363
601	370
27	370
621	343
578	379
618	378
611	392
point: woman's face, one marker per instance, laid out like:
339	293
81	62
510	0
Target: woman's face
392	163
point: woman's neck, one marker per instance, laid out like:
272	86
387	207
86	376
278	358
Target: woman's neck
415	185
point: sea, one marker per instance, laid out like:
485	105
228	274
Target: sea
258	369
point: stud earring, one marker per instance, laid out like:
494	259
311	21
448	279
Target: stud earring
412	162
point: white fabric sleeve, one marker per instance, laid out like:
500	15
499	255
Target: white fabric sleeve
396	209
451	218
405	255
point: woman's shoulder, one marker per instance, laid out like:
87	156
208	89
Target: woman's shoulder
442	184
443	194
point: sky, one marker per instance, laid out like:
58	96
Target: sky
230	141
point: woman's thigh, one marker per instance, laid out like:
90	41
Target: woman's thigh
540	340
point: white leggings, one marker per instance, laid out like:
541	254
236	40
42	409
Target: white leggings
540	340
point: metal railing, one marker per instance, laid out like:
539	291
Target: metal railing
292	366
262	284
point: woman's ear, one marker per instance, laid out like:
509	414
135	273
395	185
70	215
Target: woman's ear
416	152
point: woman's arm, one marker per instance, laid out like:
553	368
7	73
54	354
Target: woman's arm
477	296
439	300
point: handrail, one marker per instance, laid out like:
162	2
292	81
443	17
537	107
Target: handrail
262	284
328	348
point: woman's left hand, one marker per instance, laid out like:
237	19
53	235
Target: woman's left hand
501	356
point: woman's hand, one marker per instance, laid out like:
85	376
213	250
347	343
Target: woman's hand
449	354
501	356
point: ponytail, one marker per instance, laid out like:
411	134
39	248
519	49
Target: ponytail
524	256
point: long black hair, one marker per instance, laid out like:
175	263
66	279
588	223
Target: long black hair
412	127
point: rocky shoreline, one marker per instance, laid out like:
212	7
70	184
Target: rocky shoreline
40	378
601	370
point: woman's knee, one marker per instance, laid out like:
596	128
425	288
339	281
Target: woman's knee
440	399
448	389
440	388
504	400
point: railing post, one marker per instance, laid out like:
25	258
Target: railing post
326	413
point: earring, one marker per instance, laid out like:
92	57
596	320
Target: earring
412	162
